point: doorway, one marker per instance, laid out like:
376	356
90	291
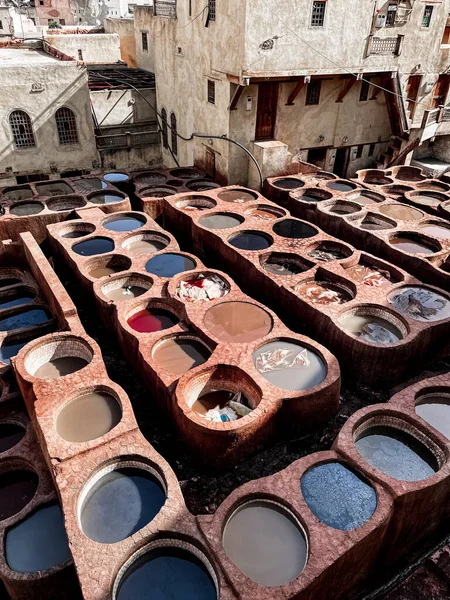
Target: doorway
412	91
440	91
341	162
267	111
317	156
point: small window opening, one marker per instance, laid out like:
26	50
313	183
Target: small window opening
211	91
428	11
313	92
318	14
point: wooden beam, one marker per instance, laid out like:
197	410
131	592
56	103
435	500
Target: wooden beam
348	86
236	97
383	83
295	92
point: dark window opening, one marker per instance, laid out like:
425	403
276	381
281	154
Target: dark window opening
313	92
428	11
173	124
371	150
66	125
144	41
164	128
364	93
318	14
41	2
1	25
359	152
391	14
190	7
22	130
80	54
211	91
31	178
317	156
211	10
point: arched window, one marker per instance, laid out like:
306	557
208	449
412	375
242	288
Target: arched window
21	129
164	128
173	124
67	126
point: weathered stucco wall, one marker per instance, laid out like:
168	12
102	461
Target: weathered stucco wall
125	30
55	10
95	47
128	108
131	159
63	84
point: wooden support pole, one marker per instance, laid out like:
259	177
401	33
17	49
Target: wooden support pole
348	86
295	92
236	97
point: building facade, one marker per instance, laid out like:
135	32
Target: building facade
344	85
54	10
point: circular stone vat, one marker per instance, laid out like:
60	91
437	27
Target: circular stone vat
152	319
61	357
119	501
265	213
107	265
420	304
288	183
66	203
324	175
94	246
284	264
151	177
125	222
324	293
196	203
437	229
374	325
185	174
54	188
148	242
202	185
77	230
238	322
17	489
170	264
10	435
90	184
312	195
369	274
202	287
294	229
250	240
167	569
106	198
39	542
266	542
432	184
10	349
289	366
24	209
221	221
126	287
28	318
376	222
238	196
396	453
342	207
329	251
17	193
116	177
434	408
414	244
88	417
427	198
158	191
337	496
216	405
175	183
375	177
181	353
341	186
401	212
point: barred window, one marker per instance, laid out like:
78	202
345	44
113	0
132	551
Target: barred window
212	10
211	91
144	41
313	92
67	126
426	20
173	125
391	14
371	150
164	128
364	93
22	130
318	14
359	151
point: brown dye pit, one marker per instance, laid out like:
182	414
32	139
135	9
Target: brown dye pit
17	489
265	213
436	230
238	322
202	185
428	199
401	212
222	406
180	354
372	329
374	222
102	272
412	245
221	221
60	367
368	275
10	435
126	293
88	417
238	196
323	293
366	198
17	193
144	246
26	208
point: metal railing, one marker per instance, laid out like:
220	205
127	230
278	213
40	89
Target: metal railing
385	46
119	141
166	8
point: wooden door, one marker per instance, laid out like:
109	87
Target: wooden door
440	91
210	162
412	92
267	111
341	162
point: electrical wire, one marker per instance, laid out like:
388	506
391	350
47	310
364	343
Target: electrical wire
404	98
195	18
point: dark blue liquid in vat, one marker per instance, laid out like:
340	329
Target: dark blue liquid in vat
250	241
167	574
91	184
121	503
94	246
107	198
338	497
39	542
290	228
288	183
16	300
397	454
124	224
114	177
28	318
341	186
8	350
169	265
